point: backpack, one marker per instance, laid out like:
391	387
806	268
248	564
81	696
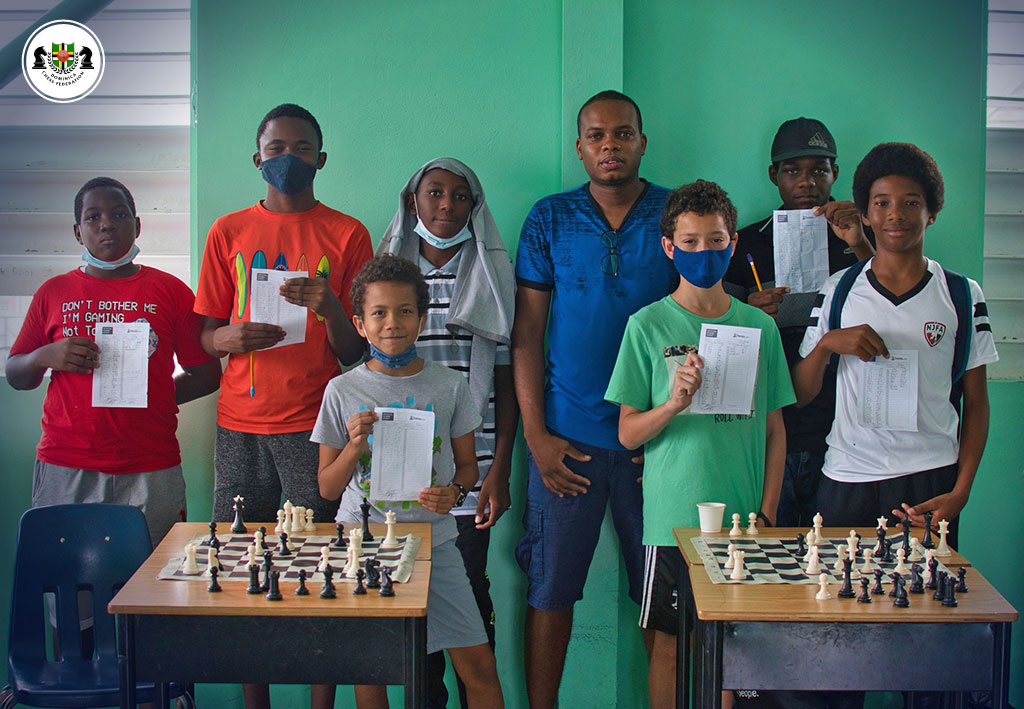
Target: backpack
959	292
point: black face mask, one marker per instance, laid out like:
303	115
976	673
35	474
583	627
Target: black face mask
288	174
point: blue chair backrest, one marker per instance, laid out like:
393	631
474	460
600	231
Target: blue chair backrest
62	549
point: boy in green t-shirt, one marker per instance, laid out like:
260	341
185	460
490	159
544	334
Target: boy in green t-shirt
691	458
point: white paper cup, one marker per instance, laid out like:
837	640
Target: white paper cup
711	514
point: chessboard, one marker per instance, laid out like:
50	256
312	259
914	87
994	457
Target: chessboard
773	560
305	554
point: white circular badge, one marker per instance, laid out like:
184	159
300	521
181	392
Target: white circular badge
63	61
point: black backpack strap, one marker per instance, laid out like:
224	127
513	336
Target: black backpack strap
960	294
835	312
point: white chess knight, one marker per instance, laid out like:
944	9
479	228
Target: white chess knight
738	572
287	525
390	541
943	549
190	567
813	565
823	594
310	526
752	524
736	531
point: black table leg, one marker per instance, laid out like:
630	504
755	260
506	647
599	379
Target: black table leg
713	640
1001	666
415	662
684	604
128	676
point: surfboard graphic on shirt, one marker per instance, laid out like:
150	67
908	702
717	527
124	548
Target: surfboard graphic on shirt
280	263
259	260
241	274
323	270
302	264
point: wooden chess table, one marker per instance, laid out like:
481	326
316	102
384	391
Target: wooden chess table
178	631
777	636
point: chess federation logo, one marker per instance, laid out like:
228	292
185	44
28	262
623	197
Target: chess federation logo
933	332
63	61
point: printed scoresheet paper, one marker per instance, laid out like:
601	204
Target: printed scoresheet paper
403	453
267	305
122	379
730	357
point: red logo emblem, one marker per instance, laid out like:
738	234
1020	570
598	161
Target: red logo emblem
933	332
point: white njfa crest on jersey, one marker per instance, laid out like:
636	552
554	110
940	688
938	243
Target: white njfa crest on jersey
933	332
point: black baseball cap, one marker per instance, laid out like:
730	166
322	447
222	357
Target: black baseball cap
802	136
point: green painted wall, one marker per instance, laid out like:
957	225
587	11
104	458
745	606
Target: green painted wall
497	85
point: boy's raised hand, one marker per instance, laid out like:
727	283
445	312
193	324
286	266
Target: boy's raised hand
845	220
439	499
861	341
768	299
312	293
549	454
686	382
72	354
241	337
360	426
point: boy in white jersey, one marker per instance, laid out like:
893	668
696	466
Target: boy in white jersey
900	301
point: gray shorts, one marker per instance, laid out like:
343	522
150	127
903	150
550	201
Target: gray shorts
160	494
261	467
453	619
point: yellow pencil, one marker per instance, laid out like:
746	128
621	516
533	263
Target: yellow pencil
750	260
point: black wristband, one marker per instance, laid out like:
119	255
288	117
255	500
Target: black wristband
767	522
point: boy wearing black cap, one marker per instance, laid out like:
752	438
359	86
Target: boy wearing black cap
803	168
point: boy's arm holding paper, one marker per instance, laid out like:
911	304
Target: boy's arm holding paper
636	427
337	466
441	498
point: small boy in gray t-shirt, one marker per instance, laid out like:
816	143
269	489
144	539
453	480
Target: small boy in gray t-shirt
389	299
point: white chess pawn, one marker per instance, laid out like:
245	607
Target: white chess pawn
838	566
280	522
943	549
730	550
915	550
258	542
288	508
211	561
738	572
813	566
190	567
736	531
325	552
868	553
310	527
823	594
901	567
298	518
251	551
390	541
812	541
752	524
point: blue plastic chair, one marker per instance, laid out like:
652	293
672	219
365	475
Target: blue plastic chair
61	550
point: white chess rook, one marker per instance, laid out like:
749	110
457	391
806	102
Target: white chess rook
738	572
190	567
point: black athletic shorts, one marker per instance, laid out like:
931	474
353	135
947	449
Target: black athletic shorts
659	609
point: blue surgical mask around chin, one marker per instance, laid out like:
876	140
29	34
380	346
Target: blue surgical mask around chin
437	242
110	265
702	268
394	361
288	174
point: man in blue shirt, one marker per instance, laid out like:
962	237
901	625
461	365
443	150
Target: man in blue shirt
590	258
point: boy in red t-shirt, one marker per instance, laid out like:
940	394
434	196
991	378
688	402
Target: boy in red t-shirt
91	453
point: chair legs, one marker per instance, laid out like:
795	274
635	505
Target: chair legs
7	698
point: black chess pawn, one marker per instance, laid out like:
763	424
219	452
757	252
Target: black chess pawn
360	589
880	547
274	592
887	552
864	596
385	586
327	591
905	522
933	578
372	573
282	546
801	548
238	526
916	582
302	590
268	568
877	589
339	542
928	543
961	586
847	590
940	585
365	507
949	598
212	541
263	531
214	587
896	579
254	580
902	601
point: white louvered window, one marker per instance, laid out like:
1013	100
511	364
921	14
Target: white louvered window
1004	186
134	127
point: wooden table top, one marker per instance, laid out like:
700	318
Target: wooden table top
796	603
145	594
683	535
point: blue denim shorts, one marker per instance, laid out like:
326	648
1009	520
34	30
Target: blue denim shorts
562	532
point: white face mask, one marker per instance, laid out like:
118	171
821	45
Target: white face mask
435	241
110	265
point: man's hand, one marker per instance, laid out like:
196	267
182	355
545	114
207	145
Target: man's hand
638	460
241	337
439	499
861	341
549	453
943	507
845	220
494	493
768	300
360	426
686	382
72	354
312	293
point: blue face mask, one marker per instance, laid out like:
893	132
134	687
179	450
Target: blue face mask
110	265
288	174
702	268
394	361
437	242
